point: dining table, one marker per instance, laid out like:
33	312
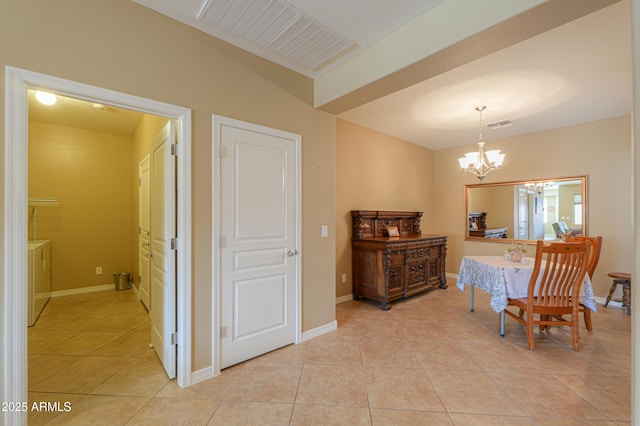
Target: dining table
505	279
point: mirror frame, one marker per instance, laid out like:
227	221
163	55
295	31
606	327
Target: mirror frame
585	205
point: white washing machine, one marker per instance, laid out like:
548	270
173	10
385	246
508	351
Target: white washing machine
39	278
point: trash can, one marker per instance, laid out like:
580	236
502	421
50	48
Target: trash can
121	281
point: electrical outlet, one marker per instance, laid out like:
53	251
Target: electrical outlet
324	231
344	278
98	270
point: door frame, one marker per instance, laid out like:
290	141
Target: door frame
216	303
13	288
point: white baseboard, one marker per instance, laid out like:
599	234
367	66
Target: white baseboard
614	303
207	372
345	298
82	290
201	375
319	331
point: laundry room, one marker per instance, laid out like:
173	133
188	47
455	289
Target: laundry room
83	188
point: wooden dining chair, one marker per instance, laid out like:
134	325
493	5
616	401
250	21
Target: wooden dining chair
553	290
593	256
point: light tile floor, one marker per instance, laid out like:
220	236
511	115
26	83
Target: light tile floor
427	361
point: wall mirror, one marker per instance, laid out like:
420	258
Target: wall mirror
541	209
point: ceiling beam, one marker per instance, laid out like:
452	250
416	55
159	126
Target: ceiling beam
350	85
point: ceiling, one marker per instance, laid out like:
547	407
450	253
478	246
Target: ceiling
307	36
85	115
578	72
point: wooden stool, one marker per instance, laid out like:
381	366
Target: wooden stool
624	280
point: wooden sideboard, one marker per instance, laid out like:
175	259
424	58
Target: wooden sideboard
478	227
478	218
391	268
489	233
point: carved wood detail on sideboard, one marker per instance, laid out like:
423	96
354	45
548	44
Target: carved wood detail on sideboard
391	268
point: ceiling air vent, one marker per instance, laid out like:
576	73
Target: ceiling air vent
278	27
500	124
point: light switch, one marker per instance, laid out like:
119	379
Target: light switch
325	231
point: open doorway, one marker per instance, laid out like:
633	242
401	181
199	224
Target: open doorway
16	213
84	211
83	189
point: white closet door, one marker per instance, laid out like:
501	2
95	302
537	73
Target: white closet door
259	230
163	256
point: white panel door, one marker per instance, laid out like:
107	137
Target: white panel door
523	215
144	221
163	257
258	237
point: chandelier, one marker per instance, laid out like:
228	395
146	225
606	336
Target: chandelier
481	163
539	187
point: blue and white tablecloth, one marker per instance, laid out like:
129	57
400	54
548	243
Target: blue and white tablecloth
503	278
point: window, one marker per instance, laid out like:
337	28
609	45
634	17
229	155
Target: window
577	209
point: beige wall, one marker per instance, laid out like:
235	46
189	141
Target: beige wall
75	265
601	150
498	203
117	45
565	204
502	210
149	126
377	172
88	172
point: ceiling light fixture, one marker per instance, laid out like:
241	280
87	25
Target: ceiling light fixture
481	163
539	187
46	98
